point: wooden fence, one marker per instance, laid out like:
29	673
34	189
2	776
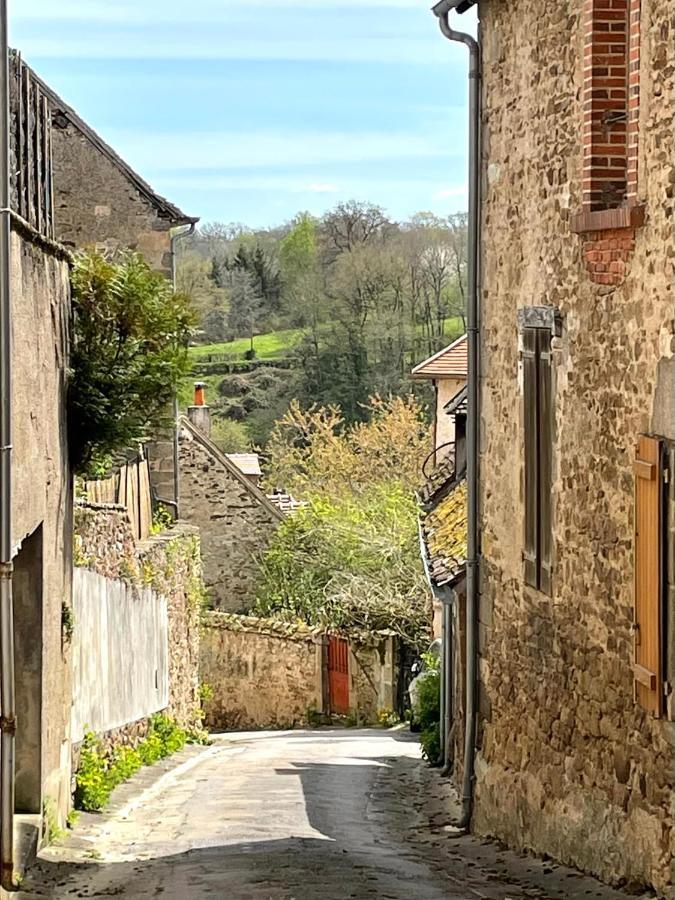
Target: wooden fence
128	486
32	189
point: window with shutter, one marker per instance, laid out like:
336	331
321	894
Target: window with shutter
538	435
648	565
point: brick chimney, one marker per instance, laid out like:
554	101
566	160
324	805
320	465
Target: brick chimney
200	414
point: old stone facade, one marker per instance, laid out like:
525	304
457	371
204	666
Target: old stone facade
569	764
98	198
42	519
235	519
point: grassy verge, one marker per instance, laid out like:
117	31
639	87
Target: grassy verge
100	771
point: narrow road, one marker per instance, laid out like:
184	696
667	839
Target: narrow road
321	815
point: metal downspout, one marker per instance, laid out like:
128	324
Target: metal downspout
7	698
442	11
188	232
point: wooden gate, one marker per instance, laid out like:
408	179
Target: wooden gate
338	676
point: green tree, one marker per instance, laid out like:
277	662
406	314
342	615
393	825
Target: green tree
129	352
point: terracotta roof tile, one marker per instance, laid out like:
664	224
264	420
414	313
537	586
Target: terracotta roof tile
451	362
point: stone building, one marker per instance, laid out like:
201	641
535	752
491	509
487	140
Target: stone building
446	370
577	450
42	496
98	199
235	518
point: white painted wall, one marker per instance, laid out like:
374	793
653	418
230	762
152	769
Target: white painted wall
120	654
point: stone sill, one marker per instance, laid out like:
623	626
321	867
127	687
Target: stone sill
607	219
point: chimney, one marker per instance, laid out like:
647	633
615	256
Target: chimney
200	414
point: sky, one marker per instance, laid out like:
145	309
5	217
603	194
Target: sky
251	111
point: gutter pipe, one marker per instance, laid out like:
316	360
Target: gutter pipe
7	693
442	10
188	231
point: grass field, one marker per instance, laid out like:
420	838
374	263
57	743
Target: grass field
276	344
267	346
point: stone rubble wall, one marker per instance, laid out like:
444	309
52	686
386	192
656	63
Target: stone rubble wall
263	673
169	564
568	764
95	204
235	524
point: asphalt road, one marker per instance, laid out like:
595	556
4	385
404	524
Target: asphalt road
320	815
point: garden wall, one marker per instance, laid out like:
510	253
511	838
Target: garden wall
136	624
264	673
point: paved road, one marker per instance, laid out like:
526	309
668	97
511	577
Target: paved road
321	815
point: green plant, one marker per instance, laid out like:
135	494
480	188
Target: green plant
429	709
67	622
205	692
314	717
100	772
161	520
52	829
387	717
129	352
73	818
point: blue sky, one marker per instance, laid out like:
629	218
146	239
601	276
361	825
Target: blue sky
249	111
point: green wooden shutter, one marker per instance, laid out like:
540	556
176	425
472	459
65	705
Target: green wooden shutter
545	456
530	391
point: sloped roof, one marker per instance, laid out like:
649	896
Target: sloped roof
444	532
249	463
458	404
451	362
220	457
164	208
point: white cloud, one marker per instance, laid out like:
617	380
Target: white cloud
172	152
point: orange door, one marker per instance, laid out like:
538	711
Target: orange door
338	676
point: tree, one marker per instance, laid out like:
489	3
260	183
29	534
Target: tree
129	352
350	224
245	304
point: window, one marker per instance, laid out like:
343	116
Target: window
538	424
649	562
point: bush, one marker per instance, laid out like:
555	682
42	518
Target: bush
100	772
229	436
129	352
429	710
349	562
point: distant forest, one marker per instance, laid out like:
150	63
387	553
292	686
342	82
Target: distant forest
350	303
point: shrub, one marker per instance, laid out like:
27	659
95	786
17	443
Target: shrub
100	772
129	352
429	710
229	436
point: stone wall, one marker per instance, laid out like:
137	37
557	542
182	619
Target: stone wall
167	563
235	520
262	674
269	674
569	765
42	518
96	204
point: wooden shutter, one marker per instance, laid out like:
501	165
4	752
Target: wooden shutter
530	422
545	456
648	575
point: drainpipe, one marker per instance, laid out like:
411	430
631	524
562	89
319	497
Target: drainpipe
442	10
7	700
188	231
